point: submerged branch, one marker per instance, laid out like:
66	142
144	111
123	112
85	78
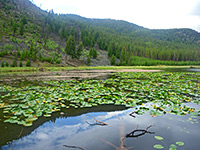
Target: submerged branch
97	122
20	132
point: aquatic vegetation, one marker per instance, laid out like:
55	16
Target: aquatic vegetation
158	93
172	146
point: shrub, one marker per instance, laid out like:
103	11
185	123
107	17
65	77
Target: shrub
28	63
7	65
88	60
2	64
14	63
20	64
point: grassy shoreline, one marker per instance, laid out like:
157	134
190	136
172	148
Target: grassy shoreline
46	69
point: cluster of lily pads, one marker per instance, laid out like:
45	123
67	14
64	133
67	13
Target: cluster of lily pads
155	92
172	146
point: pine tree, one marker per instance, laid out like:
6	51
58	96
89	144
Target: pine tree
123	56
2	64
14	27
112	60
24	20
94	53
79	50
28	63
88	60
21	31
70	46
20	64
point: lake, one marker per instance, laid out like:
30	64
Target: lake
164	110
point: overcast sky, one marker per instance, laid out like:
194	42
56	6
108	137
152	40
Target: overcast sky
153	14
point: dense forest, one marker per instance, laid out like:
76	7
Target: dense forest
29	34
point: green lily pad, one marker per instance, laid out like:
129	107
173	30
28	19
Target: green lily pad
158	137
180	143
172	147
158	146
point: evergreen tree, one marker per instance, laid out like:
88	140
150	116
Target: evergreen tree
2	64
31	49
72	31
112	60
20	64
24	20
7	65
14	63
28	63
70	46
94	53
21	31
88	60
14	27
123	56
79	50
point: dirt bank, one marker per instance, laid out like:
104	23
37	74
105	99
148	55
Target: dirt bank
65	75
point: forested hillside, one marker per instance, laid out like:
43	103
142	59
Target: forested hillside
29	36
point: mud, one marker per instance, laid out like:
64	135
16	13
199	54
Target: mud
65	75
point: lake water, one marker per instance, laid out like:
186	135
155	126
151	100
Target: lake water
76	129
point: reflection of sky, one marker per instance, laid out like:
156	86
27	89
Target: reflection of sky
75	131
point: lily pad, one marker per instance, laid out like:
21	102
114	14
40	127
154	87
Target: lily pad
158	146
180	143
158	137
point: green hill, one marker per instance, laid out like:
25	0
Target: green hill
31	36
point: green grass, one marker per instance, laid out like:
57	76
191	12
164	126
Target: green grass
35	69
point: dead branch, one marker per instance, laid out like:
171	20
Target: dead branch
20	132
131	114
97	122
139	132
68	146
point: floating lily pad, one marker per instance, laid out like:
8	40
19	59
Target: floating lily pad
180	143
158	137
158	146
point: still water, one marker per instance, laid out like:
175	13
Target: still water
74	131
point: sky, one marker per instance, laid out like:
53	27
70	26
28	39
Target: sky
152	14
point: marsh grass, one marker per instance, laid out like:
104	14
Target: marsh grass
45	69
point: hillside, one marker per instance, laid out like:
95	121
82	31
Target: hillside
33	37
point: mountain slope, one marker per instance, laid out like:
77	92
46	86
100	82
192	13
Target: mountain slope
29	33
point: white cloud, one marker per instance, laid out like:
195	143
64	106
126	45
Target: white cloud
148	13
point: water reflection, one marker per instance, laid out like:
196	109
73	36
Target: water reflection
75	131
194	70
182	70
10	132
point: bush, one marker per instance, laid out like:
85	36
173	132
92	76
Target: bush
7	65
14	63
2	64
88	60
20	64
28	63
58	61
